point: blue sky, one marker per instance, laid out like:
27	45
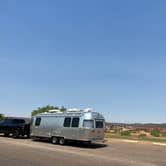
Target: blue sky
108	55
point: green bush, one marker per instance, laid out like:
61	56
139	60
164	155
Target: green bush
125	133
155	133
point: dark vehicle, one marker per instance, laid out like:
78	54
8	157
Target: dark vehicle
15	127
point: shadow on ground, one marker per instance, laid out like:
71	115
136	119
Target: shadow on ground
76	144
68	143
11	136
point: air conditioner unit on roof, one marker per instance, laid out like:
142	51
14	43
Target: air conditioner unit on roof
54	111
73	110
88	110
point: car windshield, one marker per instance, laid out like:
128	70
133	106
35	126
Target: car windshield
88	124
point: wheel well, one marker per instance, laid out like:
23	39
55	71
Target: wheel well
57	137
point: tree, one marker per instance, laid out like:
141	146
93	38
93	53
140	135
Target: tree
1	116
46	109
62	109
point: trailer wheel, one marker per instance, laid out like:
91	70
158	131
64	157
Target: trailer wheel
54	140
61	141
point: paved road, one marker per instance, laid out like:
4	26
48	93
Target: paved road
24	152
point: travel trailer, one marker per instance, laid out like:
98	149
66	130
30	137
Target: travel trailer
73	124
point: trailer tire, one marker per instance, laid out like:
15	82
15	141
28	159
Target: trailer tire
62	141
54	140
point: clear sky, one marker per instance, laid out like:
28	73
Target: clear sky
108	55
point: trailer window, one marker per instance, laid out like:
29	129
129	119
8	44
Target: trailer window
75	122
67	122
88	124
37	122
99	124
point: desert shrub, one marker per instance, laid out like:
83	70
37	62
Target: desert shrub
107	130
134	131
114	131
111	131
125	133
142	135
155	133
163	134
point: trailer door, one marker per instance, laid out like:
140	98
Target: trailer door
99	131
75	128
36	130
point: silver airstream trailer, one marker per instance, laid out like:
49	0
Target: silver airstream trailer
73	124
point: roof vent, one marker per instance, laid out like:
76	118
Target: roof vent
88	110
